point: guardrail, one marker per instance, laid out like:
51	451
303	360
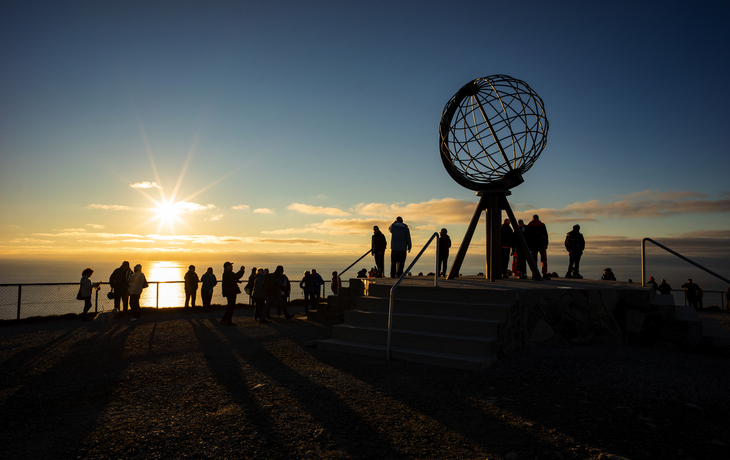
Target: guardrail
397	283
686	259
24	300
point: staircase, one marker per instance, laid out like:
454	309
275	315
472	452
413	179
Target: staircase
443	327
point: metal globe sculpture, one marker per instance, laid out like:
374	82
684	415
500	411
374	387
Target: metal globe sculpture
491	132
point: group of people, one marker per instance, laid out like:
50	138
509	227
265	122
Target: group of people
535	235
692	292
400	245
267	290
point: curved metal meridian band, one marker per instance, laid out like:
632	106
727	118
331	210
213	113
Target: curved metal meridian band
487	121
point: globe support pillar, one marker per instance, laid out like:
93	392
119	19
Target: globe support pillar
493	202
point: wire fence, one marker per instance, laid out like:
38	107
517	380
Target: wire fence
20	301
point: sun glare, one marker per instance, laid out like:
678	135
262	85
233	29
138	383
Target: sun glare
167	211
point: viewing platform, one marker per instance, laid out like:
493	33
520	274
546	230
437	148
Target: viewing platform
470	322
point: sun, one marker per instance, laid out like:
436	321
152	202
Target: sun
167	212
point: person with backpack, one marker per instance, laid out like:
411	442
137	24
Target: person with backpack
120	286
574	244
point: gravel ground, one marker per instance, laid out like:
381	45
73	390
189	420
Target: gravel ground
174	386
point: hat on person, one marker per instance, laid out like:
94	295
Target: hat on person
576	227
227	264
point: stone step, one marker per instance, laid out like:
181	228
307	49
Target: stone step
420	340
427	323
714	333
662	299
450	360
479	310
493	296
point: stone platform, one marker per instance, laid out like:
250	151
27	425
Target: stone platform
470	322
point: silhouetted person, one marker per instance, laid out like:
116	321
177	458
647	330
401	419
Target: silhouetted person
308	286
259	296
285	291
275	293
665	288
690	293
208	281
519	256
699	294
137	282
444	245
318	283
400	242
537	240
118	282
191	287
608	275
574	244
335	283
86	288
248	289
230	290
378	246
652	284
507	237
362	273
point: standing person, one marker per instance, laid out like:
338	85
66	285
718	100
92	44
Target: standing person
85	290
508	241
285	291
400	242
690	293
118	282
665	288
537	240
444	245
335	283
699	294
519	256
308	286
274	293
575	244
259	296
378	246
248	289
137	282
318	283
653	284
206	289
230	290
191	287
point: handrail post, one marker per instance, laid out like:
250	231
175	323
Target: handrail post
436	278
20	286
397	283
157	296
643	262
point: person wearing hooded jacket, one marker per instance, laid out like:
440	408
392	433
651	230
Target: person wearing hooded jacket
400	242
137	282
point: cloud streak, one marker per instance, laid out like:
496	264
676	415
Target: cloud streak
308	209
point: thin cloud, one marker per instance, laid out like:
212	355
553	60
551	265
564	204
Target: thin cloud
73	230
308	209
263	211
96	226
442	211
146	184
647	204
215	217
192	207
240	207
334	227
112	207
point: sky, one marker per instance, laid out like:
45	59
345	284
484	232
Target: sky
283	131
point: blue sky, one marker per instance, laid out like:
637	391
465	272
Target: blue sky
290	128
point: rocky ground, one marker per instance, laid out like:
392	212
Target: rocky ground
177	386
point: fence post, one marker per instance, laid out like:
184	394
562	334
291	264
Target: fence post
19	289
157	296
96	301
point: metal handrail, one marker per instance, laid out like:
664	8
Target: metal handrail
397	283
358	260
643	261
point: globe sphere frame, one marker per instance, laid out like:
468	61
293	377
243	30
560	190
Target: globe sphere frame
491	132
